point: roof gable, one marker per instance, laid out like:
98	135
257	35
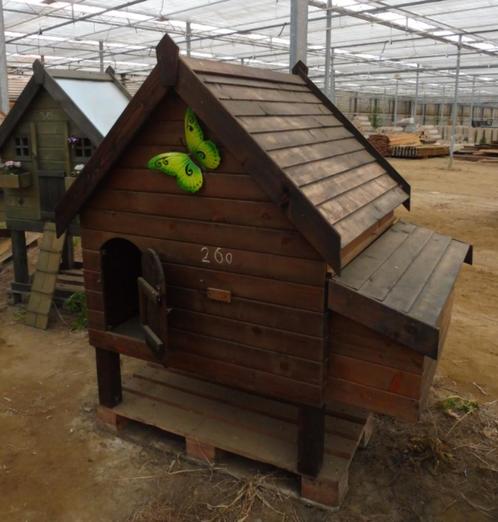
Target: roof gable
77	93
303	152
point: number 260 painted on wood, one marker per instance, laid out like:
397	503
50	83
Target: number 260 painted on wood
218	256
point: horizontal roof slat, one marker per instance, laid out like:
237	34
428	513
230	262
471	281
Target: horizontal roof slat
280	123
258	108
251	93
251	82
278	140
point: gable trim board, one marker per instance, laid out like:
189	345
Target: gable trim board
316	224
43	78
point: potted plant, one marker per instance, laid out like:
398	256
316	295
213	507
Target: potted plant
68	180
13	175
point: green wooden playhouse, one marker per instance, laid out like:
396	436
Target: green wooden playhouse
56	124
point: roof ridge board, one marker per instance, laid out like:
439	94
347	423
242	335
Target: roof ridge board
278	186
301	70
70	74
239	71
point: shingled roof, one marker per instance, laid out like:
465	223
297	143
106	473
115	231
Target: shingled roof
306	155
92	100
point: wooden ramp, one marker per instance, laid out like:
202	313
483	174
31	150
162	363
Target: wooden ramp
215	419
45	278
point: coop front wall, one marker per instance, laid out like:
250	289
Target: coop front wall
47	126
271	337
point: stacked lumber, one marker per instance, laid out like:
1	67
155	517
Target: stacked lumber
419	151
403	138
481	153
381	143
430	134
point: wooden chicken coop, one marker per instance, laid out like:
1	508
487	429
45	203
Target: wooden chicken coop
57	122
238	231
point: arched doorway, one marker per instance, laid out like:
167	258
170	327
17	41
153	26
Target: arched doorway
121	266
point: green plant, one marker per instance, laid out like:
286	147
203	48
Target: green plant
76	304
456	405
375	119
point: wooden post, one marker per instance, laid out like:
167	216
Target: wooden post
68	253
108	377
311	440
20	259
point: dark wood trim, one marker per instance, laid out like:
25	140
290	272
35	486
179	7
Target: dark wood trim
310	440
300	71
108	377
128	124
15	114
167	60
72	110
402	328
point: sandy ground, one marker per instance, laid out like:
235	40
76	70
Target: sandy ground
56	464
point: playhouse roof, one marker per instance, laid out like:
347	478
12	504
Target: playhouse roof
93	101
332	184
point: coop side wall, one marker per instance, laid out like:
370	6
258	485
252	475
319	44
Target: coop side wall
370	371
271	337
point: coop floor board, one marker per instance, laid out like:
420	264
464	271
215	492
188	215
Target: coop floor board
212	418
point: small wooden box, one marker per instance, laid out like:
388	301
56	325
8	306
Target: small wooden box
15	181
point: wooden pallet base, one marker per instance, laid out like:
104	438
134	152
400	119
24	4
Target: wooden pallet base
214	419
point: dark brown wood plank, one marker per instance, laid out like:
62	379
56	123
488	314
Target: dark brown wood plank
249	311
386	277
403	328
375	375
362	267
292	156
262	108
409	286
352	339
218	210
251	82
257	124
136	157
201	342
317	170
278	140
231	260
273	241
357	197
216	184
437	291
378	401
215	371
354	224
248	334
322	190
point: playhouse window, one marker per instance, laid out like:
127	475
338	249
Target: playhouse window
22	147
121	266
83	149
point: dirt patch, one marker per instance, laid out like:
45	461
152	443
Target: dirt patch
56	464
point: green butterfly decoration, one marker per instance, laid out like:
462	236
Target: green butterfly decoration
180	165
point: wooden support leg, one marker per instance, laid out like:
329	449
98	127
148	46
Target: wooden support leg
20	259
311	439
67	261
108	377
